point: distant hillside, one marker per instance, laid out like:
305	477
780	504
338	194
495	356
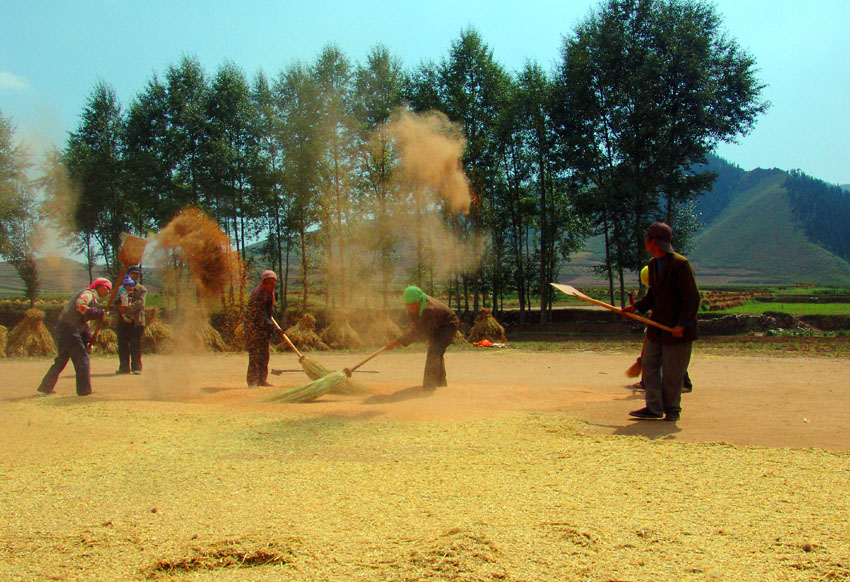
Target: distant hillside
759	239
58	275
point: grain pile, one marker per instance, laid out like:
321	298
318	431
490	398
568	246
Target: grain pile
304	336
30	337
339	334
486	327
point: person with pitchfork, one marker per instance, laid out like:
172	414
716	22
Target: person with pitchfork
437	324
673	297
259	328
73	334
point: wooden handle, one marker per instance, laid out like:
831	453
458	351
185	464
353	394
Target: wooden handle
99	324
348	371
579	295
288	341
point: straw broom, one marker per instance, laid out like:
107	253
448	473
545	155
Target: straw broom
579	295
323	385
312	368
635	369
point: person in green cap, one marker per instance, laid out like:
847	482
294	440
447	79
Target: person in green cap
434	322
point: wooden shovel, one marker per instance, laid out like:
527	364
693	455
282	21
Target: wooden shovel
132	249
579	295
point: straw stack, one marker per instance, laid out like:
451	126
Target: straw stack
30	337
304	337
486	327
3	333
339	334
158	338
106	342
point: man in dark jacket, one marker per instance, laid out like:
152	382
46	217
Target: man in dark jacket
73	334
437	324
674	299
131	323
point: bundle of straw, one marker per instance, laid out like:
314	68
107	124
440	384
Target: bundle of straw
30	337
486	327
303	336
382	329
212	339
106	342
339	334
158	338
3	333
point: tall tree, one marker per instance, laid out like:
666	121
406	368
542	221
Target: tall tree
378	92
17	210
93	158
297	101
645	90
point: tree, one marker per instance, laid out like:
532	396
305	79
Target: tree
93	158
377	93
17	210
645	90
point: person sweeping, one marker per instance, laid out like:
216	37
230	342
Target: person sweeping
434	322
259	328
73	334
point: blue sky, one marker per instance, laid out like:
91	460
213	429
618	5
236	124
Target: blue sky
53	53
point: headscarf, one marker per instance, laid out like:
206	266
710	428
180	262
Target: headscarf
267	274
414	294
101	281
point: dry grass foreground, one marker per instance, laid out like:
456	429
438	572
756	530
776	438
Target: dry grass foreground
526	468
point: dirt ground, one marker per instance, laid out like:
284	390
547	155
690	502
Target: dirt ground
527	467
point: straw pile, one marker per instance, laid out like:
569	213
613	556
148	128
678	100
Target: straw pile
158	338
486	327
30	337
303	336
382	329
3	333
212	339
105	343
459	338
339	334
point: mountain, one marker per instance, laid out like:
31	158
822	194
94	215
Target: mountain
759	238
58	276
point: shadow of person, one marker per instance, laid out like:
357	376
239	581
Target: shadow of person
651	429
408	393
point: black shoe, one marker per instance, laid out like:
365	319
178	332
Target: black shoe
265	384
46	392
645	413
671	416
686	389
119	371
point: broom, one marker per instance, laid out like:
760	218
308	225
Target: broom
635	369
323	385
579	295
312	368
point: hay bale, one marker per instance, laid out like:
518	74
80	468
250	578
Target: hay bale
486	327
105	343
303	336
30	337
459	339
339	334
382	329
3	333
213	340
158	338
